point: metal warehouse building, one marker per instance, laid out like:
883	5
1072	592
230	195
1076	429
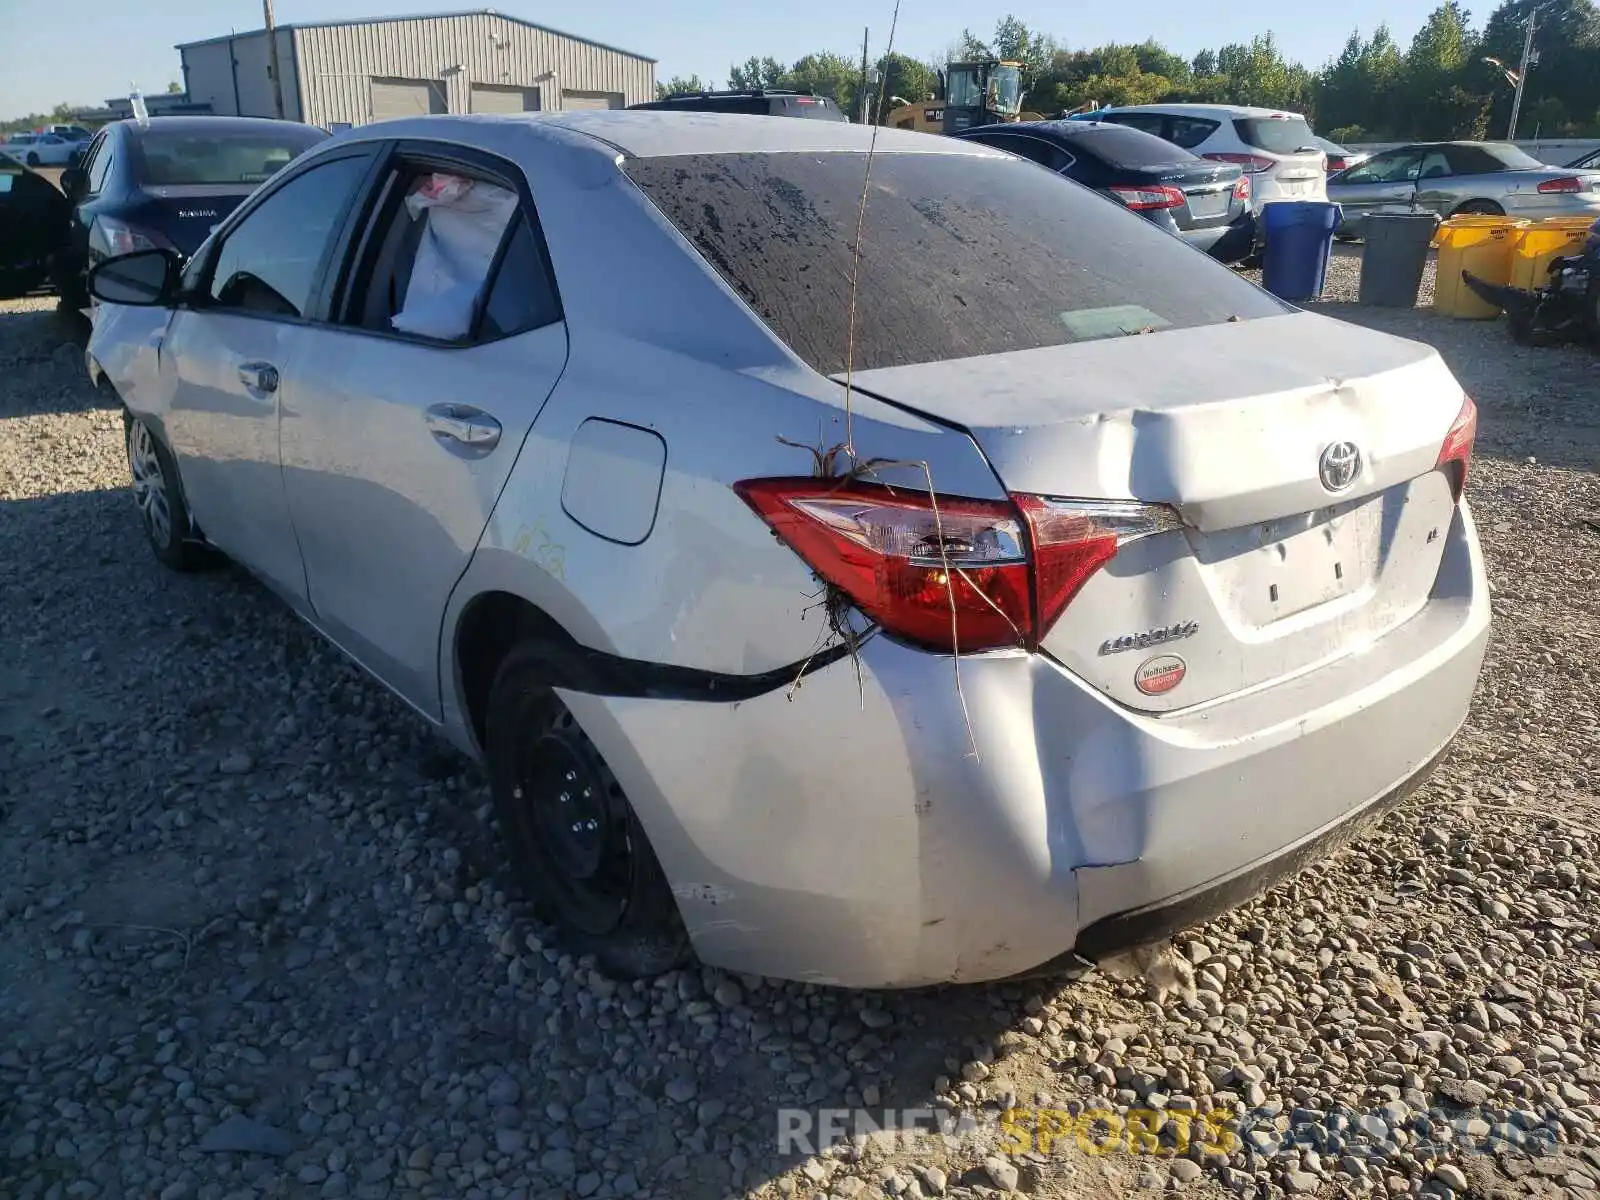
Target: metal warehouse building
340	73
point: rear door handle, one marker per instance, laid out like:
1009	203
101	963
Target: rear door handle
462	424
259	376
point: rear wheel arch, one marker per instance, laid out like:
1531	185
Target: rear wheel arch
1487	208
490	627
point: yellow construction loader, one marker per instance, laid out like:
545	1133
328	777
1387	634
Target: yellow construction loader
985	92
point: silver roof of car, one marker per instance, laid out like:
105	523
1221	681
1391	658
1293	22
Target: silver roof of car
650	133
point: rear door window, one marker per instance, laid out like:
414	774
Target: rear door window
1472	160
1031	148
1189	132
1151	123
1434	166
960	255
1132	148
1276	135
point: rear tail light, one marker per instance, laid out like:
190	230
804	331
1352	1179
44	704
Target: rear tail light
113	237
949	572
1456	452
1335	163
1254	164
1241	189
1567	183
1149	197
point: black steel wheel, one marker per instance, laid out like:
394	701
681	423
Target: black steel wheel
573	838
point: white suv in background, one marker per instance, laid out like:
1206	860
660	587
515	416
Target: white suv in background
1276	149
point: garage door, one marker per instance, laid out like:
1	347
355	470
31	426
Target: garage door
497	98
570	100
406	98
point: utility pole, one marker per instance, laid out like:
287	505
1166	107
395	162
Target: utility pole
861	98
1522	73
272	58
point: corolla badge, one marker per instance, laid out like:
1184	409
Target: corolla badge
1339	466
1150	637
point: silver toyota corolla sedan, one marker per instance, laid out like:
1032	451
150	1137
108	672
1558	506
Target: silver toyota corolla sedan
1462	178
1070	592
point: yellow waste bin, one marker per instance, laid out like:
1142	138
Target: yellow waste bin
1482	245
1537	245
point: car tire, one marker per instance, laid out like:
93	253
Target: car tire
574	840
1478	208
73	294
33	159
159	496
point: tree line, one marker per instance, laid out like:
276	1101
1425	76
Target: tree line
1454	80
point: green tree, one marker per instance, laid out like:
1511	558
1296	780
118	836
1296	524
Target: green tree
1015	42
677	85
1435	104
757	73
905	77
1567	72
1155	59
827	74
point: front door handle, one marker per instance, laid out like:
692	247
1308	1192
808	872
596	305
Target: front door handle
462	424
259	376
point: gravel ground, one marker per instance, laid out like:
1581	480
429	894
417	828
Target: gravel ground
255	939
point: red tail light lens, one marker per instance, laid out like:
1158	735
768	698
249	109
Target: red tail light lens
949	572
1254	164
1241	190
1566	183
1149	197
1456	452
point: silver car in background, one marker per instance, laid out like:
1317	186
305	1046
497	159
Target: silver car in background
1461	178
1074	593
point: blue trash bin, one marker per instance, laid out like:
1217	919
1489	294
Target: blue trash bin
1299	237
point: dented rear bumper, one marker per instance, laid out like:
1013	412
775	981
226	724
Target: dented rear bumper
861	831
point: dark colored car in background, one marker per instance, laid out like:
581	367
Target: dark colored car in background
765	102
164	184
33	225
1206	203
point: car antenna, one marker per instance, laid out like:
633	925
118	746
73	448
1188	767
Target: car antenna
141	111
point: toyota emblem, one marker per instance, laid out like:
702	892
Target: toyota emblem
1339	466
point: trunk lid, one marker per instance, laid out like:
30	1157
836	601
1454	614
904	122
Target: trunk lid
1207	189
1271	573
185	214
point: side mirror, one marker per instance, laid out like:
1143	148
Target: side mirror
72	180
144	279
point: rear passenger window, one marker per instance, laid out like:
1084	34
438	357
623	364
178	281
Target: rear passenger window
521	297
451	257
1189	132
1149	122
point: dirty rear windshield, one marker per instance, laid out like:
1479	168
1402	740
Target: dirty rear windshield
170	159
1276	135
961	255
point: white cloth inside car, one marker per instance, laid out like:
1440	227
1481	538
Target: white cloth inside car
464	220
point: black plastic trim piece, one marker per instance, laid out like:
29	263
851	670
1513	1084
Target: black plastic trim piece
580	669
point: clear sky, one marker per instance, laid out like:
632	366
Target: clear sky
83	51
